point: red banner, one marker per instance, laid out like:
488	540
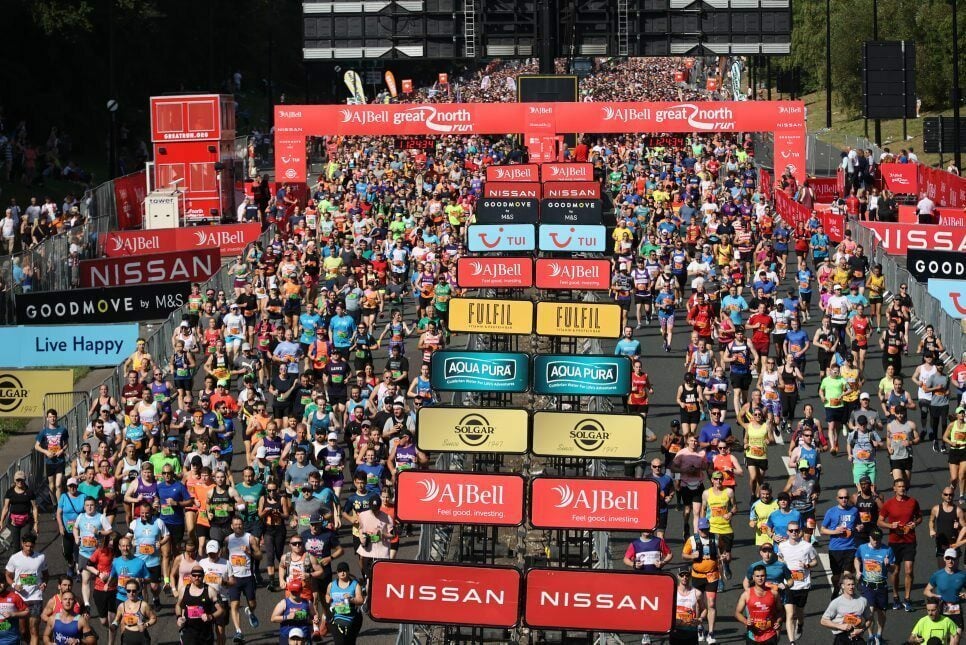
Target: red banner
494	273
951	216
567	172
840	181
897	238
513	172
194	266
944	188
566	273
901	178
407	85
571	190
712	84
444	594
791	211
443	78
231	239
509	189
129	193
834	224
765	181
593	504
623	601
824	188
460	498
678	76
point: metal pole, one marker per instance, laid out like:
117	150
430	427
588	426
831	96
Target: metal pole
875	36
828	63
768	75
956	100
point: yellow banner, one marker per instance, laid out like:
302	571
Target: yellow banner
580	319
579	434
22	391
485	316
440	429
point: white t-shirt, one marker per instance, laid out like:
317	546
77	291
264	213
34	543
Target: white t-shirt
796	557
28	574
925	206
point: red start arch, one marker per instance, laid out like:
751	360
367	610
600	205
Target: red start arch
538	122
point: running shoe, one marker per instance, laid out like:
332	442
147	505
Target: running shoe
252	618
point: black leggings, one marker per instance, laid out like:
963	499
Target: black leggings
274	539
938	419
789	401
69	548
345	633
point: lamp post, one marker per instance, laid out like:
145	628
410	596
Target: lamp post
956	100
875	36
828	63
112	146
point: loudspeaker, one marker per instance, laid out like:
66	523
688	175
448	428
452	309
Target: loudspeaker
889	79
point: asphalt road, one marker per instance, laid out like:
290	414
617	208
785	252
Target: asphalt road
666	370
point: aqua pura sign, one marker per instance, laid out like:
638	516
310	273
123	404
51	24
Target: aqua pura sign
581	375
468	371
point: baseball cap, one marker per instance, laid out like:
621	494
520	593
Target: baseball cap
215	448
865	479
767	546
950	553
246	347
704	523
865	395
960	410
295	586
72	481
837	287
298	632
105	408
317	518
184	323
332	435
212	546
172	439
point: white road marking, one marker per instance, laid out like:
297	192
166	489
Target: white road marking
788	466
779	439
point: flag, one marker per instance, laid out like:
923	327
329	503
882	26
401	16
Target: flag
354	82
391	83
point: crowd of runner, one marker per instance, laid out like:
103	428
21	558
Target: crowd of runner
186	499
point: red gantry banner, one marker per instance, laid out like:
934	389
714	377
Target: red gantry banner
129	193
573	273
571	190
495	273
182	266
444	594
511	189
593	504
230	239
897	238
460	498
944	188
514	172
293	123
567	172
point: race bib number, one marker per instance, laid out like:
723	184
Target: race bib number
238	560
756	451
89	542
952	608
213	578
852	620
684	615
195	612
167	510
862	454
131	620
719	511
771	396
28	579
798	575
832	403
146	549
865	517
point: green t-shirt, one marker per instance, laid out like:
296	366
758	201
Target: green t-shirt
646	249
158	460
441	293
834	388
251	495
943	629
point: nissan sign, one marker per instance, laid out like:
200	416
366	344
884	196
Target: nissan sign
924	264
194	266
102	305
444	594
571	190
459	498
593	504
511	190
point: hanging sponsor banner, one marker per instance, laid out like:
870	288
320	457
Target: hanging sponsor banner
924	264
196	266
390	79
129	193
230	239
354	82
824	188
711	84
581	375
736	92
494	273
571	190
491	210
568	273
834	226
513	172
486	316
467	371
575	239
951	294
483	238
571	211
22	391
66	345
580	319
897	238
443	78
679	76
623	601
944	188
573	171
459	498
501	430
511	190
593	504
583	434
900	178
444	594
110	305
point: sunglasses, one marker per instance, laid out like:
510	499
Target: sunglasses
197	574
295	543
950	559
843	497
794	530
132	590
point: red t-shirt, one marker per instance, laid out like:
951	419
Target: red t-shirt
102	560
11	602
761	335
903	512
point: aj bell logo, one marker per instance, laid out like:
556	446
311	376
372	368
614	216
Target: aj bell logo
574	272
459	494
496	270
569	172
218	239
592	501
436	120
137	244
511	173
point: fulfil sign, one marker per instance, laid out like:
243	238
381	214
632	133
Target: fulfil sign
593	504
566	273
511	190
571	190
567	172
495	273
445	594
579	319
194	266
623	601
488	316
513	172
460	498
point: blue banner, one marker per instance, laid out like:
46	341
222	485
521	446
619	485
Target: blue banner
501	237
455	371
576	238
951	294
581	375
66	345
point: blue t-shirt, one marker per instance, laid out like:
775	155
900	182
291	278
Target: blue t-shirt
875	563
309	322
775	573
836	517
341	329
628	347
125	570
820	241
948	585
89	526
70	508
778	522
54	440
146	537
172	515
734	305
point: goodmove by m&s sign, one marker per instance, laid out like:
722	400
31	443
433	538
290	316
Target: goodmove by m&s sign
502	430
455	371
564	374
460	498
582	434
486	316
623	601
444	594
593	504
